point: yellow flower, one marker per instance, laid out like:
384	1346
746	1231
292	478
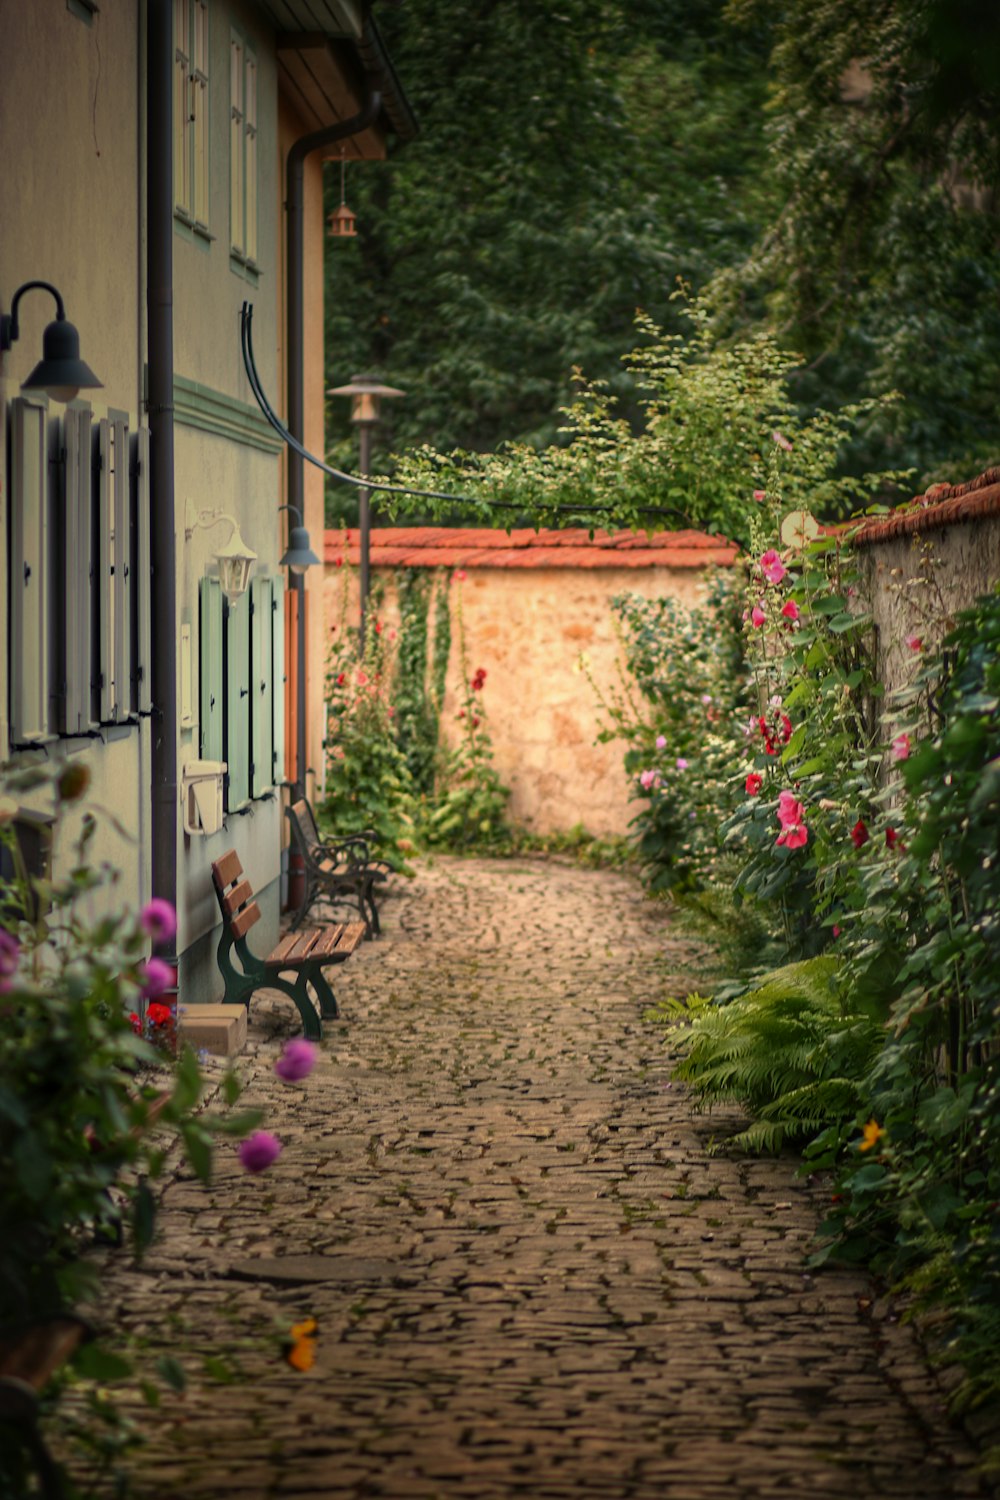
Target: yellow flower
300	1351
873	1132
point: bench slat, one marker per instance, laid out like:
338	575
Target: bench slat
241	924
234	899
227	869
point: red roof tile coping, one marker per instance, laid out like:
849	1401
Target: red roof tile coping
942	505
483	547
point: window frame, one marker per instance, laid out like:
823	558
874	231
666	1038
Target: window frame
192	133
244	219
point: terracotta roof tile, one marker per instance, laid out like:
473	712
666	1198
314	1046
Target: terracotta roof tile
942	505
485	547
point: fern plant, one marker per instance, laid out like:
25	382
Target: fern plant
788	1050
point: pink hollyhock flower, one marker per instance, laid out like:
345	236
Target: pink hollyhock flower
159	919
794	837
753	783
259	1151
757	616
914	642
10	955
682	764
759	495
378	627
859	833
661	742
782	441
362	678
772	567
901	747
460	576
790	610
836	930
648	779
790	810
156	976
297	1060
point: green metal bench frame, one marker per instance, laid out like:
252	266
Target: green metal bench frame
305	953
342	871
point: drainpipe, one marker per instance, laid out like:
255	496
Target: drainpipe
160	409
294	337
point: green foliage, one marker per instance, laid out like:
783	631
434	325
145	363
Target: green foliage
80	1089
883	260
789	1050
593	155
470	799
718	422
416	704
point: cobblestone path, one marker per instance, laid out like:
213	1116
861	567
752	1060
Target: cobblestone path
530	1278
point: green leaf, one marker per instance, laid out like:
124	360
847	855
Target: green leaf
171	1373
94	1362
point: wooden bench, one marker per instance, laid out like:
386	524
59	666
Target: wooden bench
342	871
304	953
30	1355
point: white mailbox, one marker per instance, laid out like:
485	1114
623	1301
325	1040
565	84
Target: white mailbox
201	794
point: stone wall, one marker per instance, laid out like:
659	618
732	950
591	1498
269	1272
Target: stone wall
528	627
923	566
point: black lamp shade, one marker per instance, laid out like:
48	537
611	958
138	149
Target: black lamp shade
300	554
61	369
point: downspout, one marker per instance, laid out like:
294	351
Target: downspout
160	410
294	339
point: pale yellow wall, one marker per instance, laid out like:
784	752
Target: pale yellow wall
528	628
69	123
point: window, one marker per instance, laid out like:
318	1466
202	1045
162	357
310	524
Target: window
243	151
191	112
79	572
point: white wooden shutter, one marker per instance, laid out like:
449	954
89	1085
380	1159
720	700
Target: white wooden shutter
142	582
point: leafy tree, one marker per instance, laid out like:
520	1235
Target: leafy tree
571	165
883	264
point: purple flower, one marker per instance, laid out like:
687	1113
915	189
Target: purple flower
10	955
159	919
297	1061
156	976
259	1151
661	742
682	764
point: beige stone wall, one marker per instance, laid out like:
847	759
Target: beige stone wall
528	627
916	584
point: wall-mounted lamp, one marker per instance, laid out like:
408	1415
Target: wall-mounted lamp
235	559
60	372
298	555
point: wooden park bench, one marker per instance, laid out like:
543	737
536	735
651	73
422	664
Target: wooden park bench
304	953
342	871
30	1354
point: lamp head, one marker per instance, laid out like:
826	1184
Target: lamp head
60	371
367	393
299	554
235	561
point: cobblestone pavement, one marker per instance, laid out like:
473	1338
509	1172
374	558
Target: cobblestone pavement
530	1277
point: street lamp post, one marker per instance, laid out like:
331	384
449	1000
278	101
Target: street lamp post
366	393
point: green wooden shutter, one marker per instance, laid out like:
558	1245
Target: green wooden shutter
278	680
237	694
121	568
261	687
210	668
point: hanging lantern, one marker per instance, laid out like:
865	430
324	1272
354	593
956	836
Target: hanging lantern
342	221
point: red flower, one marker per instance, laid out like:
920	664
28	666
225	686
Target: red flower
475	722
159	1015
479	679
753	783
859	833
341	679
135	1023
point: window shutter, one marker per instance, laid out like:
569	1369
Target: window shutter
30	642
102	659
140	697
121	568
261	687
251	158
237	694
278	681
236	181
78	570
210	668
